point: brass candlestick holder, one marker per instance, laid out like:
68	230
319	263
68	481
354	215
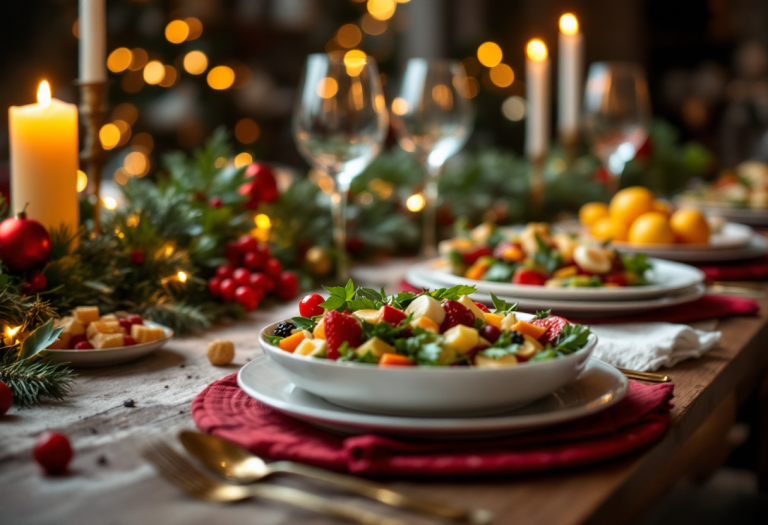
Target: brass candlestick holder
570	142
93	111
537	186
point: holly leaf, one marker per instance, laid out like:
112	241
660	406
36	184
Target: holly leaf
501	305
40	339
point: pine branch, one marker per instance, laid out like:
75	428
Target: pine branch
34	378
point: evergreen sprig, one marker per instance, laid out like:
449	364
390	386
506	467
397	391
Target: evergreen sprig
33	378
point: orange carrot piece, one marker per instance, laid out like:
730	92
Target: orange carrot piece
531	330
395	360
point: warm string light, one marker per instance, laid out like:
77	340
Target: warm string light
10	332
182	277
415	202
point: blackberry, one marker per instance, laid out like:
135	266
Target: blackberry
284	329
517	338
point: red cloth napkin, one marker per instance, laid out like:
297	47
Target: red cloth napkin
222	409
752	270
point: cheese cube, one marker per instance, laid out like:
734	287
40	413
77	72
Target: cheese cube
482	361
425	323
311	348
86	314
319	331
108	317
71	325
494	319
369	316
101	341
62	342
146	334
469	303
509	321
461	338
376	347
102	327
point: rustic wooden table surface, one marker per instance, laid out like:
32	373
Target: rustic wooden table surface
109	483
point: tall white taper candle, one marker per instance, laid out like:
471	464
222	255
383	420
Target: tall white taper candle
93	41
537	80
570	66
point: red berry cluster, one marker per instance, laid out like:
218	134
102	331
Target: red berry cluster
251	274
36	283
261	185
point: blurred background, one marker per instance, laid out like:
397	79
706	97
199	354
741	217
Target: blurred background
181	68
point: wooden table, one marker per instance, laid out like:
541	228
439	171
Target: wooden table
110	483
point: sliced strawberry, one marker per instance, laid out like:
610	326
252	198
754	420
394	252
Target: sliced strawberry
554	325
528	276
471	257
340	328
482	307
392	315
456	314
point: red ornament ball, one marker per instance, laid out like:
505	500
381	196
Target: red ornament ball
53	452
137	257
24	243
6	398
38	281
310	305
287	286
247	298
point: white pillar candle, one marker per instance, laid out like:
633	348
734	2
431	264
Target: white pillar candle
93	41
570	65
44	160
537	94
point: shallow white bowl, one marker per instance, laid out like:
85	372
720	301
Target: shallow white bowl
427	391
109	356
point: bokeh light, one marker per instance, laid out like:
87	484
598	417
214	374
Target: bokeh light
415	202
127	112
489	54
349	35
109	203
221	77
569	25
514	108
143	142
82	181
372	26
195	28
355	61
263	221
119	60
121	176
327	87
399	106
176	31
139	60
536	50
247	131
154	72
243	159
109	136
170	76
443	96
195	62
381	9
502	75
125	131
136	164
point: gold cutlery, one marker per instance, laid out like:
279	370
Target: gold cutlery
237	464
180	472
748	290
645	376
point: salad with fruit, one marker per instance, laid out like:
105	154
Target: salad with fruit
443	327
537	256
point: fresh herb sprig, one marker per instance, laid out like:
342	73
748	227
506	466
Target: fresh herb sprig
501	306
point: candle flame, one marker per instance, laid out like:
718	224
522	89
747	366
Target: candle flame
10	332
44	94
569	24
182	276
536	50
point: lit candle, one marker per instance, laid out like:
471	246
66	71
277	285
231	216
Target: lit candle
44	160
93	41
569	72
537	93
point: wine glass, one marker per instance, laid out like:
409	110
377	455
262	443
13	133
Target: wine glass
432	116
339	123
617	114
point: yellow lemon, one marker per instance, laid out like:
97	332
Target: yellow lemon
662	207
651	228
630	203
690	226
591	212
609	229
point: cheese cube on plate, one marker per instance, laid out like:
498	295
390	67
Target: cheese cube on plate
146	334
461	338
102	327
71	325
311	348
86	314
376	347
102	341
62	342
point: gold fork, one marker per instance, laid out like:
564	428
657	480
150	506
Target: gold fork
180	472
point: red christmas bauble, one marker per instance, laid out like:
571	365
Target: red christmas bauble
137	257
24	243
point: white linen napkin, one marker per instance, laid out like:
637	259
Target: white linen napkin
646	347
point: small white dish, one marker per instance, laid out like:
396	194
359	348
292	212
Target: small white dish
666	277
730	237
427	391
109	356
597	387
757	247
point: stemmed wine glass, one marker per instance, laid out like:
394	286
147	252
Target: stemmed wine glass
339	123
433	120
617	114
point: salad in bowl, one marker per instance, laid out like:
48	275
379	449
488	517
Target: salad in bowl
431	353
538	256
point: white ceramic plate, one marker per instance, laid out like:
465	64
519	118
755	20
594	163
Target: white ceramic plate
666	276
427	391
749	216
109	356
732	236
596	388
595	309
757	247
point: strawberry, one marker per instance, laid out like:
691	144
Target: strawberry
340	328
482	306
528	276
456	314
554	325
392	315
471	257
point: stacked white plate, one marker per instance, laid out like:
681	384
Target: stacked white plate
672	284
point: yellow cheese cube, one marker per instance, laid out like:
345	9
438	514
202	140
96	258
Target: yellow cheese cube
319	332
494	319
103	327
101	341
146	334
482	342
86	314
461	338
311	348
425	323
469	303
71	325
62	342
369	316
376	347
482	361
108	317
509	321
